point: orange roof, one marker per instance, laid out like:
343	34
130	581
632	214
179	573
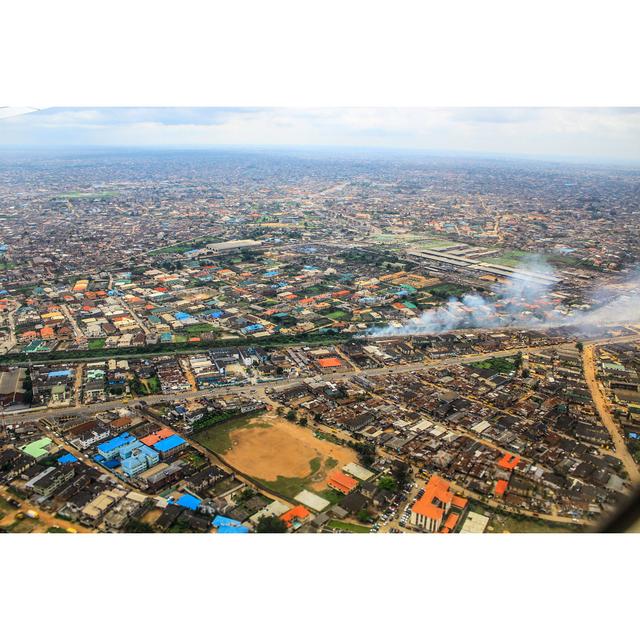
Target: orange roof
150	440
459	502
451	521
330	362
427	509
437	490
165	432
509	461
47	332
297	513
501	487
341	482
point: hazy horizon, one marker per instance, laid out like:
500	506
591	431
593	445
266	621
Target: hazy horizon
606	135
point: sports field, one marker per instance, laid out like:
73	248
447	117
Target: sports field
276	452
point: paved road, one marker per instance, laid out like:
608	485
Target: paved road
33	414
589	363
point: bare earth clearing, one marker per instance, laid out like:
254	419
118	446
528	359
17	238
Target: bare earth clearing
284	449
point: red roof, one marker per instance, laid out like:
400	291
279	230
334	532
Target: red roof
501	487
436	491
341	482
297	513
509	461
330	362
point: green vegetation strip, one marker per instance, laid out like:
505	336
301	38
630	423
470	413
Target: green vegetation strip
165	349
336	525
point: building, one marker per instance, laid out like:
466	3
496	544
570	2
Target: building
341	482
137	457
435	505
12	386
170	446
87	434
52	478
38	449
296	517
474	523
111	449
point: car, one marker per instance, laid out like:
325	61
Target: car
14	503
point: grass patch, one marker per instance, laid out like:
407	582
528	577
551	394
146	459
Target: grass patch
197	329
288	487
96	343
510	258
330	463
217	438
315	464
22	526
5	506
448	290
331	495
500	365
503	522
56	530
349	527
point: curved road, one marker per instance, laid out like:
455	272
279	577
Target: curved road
589	364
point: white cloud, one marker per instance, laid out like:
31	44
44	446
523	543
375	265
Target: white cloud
586	133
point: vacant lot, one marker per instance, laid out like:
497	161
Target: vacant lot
280	454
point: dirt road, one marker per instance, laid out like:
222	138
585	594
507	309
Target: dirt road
589	364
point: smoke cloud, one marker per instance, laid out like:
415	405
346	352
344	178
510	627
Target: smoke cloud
523	303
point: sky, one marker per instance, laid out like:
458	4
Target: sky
571	133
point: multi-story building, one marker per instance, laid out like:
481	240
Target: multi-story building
430	511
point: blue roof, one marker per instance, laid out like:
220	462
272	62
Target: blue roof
189	501
221	521
67	458
59	374
252	327
169	443
181	315
233	530
114	443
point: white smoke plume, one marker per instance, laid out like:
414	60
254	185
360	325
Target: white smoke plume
521	303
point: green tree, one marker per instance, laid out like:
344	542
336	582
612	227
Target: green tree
366	453
137	526
271	524
401	473
388	483
364	515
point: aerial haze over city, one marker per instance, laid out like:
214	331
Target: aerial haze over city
318	321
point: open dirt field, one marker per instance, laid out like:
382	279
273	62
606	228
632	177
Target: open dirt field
273	449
